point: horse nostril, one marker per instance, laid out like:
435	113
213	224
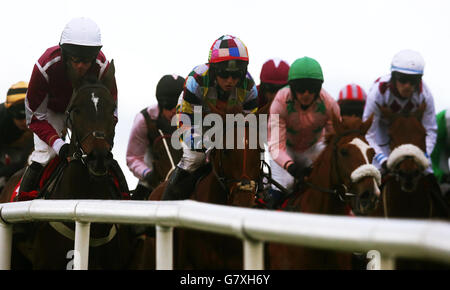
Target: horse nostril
365	196
245	182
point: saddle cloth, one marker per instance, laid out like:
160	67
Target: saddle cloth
48	174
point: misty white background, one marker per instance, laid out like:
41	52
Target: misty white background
354	41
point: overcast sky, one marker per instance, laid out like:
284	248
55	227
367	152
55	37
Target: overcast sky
354	41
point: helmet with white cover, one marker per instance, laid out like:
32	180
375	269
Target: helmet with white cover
408	62
81	37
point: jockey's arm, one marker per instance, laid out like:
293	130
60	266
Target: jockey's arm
429	122
277	135
36	110
371	107
138	144
250	104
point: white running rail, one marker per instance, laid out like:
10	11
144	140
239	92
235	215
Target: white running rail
392	238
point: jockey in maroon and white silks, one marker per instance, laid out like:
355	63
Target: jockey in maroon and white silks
47	98
50	90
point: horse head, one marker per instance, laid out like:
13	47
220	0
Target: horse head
352	176
237	165
91	119
407	161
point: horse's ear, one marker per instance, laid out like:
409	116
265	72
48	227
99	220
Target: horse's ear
365	126
108	78
386	112
214	109
419	112
264	109
337	122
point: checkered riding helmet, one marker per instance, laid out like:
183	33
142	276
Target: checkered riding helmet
226	48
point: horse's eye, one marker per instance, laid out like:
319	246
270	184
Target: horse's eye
344	152
370	154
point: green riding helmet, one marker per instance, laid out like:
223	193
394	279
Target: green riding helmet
305	68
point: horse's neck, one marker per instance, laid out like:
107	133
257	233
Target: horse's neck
316	201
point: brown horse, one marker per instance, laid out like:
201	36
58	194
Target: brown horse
408	192
233	180
342	177
91	120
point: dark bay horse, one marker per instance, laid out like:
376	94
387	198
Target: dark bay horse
87	174
233	180
342	178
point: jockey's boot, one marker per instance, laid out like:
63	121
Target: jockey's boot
30	179
141	192
275	198
179	186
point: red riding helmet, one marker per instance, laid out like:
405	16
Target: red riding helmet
274	71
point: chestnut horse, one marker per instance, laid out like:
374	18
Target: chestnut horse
342	178
87	174
233	179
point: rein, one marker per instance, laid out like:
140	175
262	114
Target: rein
341	191
81	152
244	183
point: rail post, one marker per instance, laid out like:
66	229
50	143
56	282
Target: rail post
5	245
81	258
164	248
253	255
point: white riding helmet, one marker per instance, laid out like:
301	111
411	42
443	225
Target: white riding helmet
81	31
408	62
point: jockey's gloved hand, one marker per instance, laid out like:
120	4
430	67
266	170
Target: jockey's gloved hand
384	169
64	152
298	172
151	178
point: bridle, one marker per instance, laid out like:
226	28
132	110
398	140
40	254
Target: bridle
229	185
83	145
341	189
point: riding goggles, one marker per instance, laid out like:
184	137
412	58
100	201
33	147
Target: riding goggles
272	88
406	78
302	85
224	74
17	111
76	59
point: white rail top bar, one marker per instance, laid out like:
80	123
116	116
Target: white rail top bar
396	237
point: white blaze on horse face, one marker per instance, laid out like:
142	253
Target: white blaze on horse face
363	147
367	169
94	100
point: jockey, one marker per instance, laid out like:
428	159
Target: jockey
274	76
223	82
352	99
77	55
16	141
441	152
145	130
402	90
300	116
